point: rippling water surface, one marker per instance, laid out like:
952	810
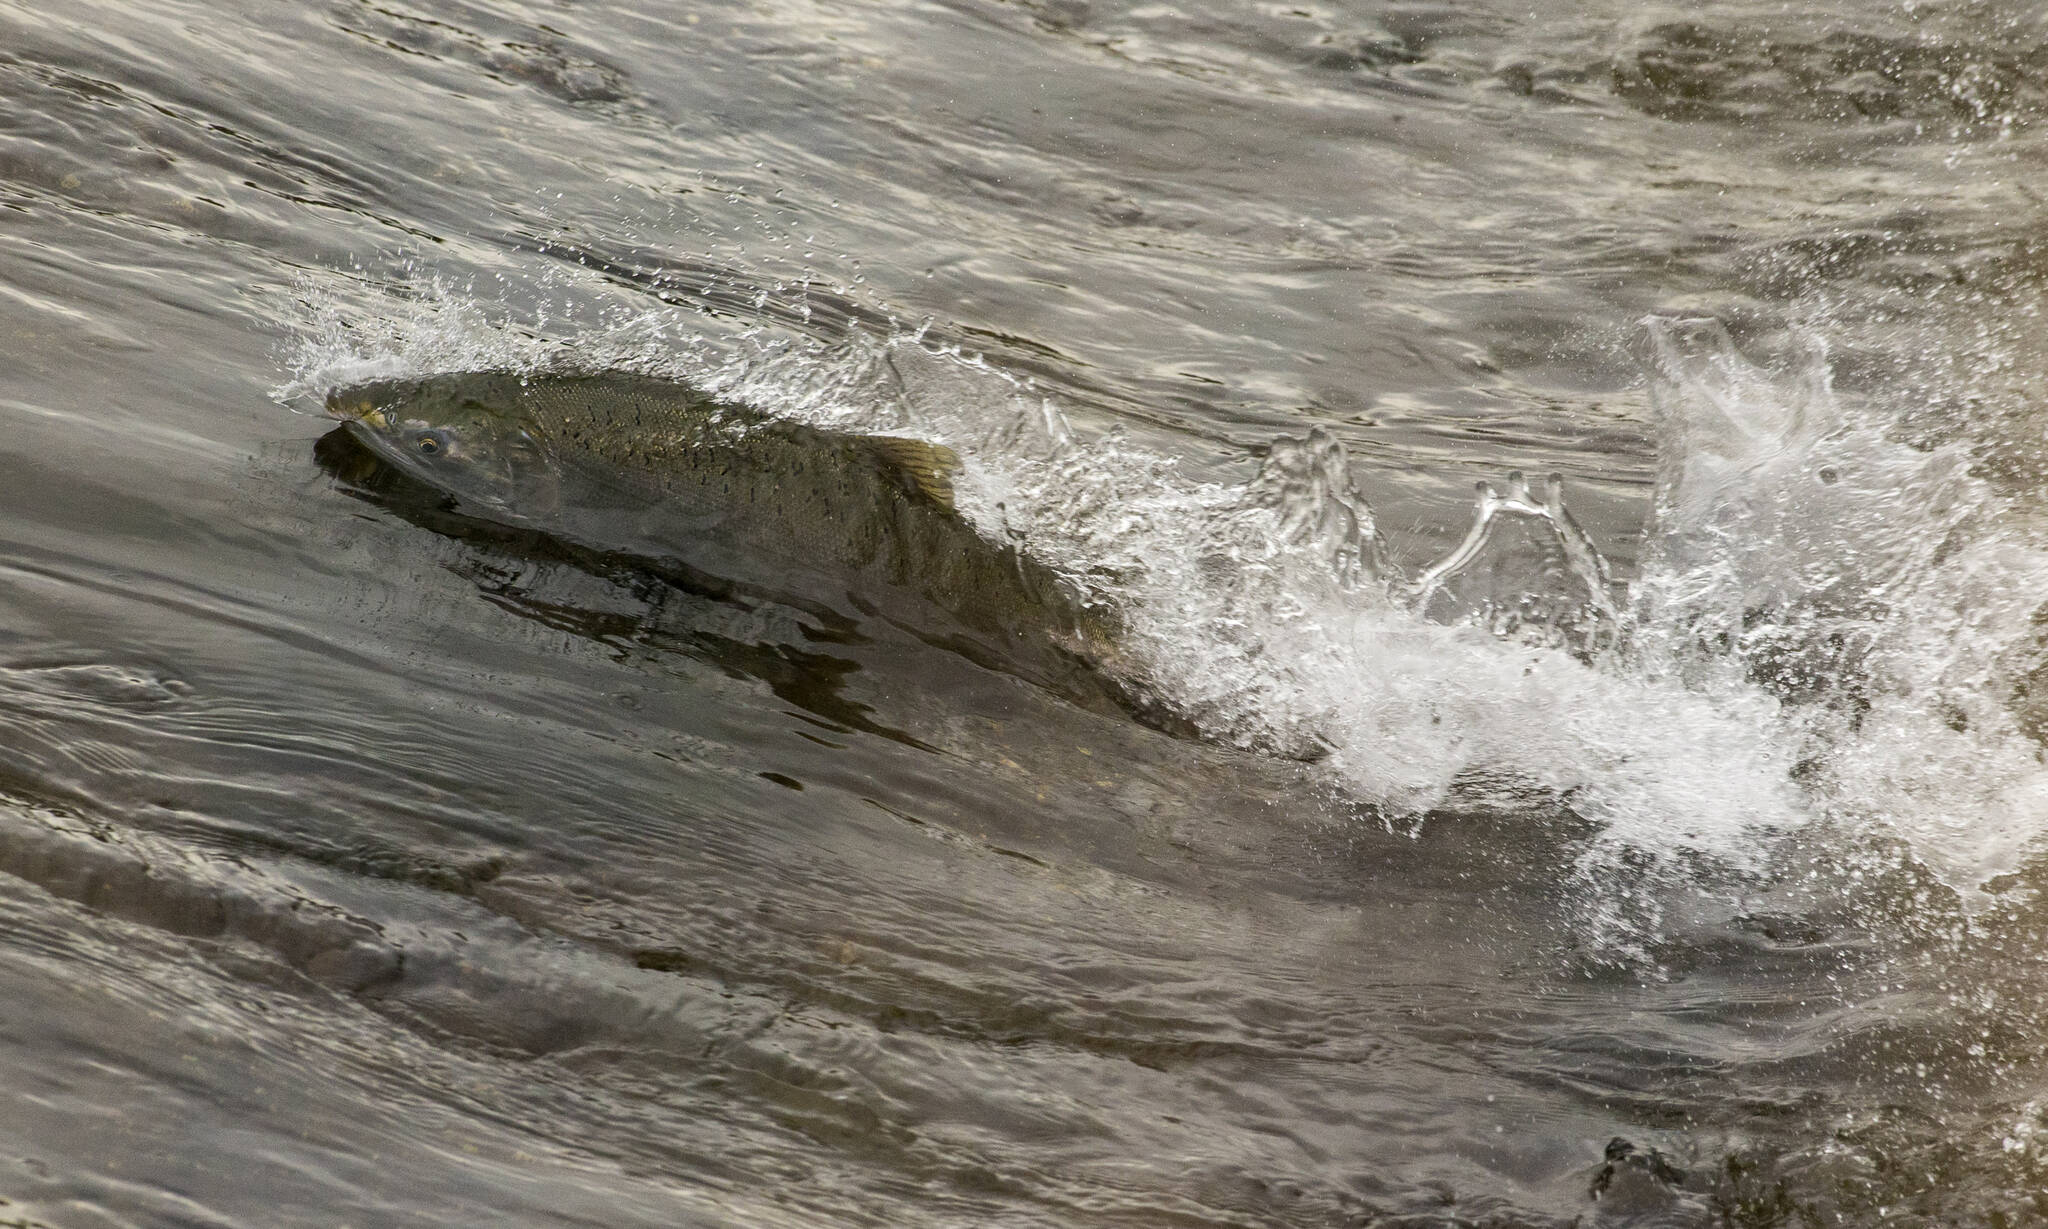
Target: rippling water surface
370	860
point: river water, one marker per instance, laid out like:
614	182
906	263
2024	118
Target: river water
364	863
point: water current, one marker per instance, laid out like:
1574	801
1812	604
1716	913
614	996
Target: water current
1565	477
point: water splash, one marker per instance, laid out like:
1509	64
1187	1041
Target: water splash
1826	627
1273	616
1307	484
1552	587
1877	589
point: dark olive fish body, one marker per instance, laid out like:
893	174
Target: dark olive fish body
653	468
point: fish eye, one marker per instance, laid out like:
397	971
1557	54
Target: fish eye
431	443
1829	475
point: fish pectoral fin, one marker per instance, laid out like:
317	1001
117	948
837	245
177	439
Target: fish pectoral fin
929	466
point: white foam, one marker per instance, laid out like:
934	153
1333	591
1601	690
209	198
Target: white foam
1789	524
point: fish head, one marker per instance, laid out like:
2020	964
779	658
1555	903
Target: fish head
471	439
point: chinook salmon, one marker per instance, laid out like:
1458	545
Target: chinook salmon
864	525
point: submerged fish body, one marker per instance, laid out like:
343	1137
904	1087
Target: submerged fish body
656	462
864	525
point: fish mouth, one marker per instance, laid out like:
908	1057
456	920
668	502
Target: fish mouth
369	425
353	410
369	430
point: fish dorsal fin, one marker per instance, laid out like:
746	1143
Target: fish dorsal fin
930	466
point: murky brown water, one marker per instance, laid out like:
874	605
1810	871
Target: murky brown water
369	861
